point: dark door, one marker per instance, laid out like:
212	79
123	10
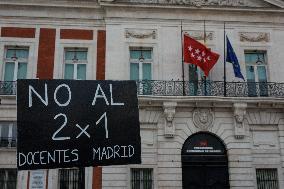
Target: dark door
216	177
205	177
193	177
204	163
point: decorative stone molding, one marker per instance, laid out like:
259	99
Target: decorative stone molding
254	37
203	118
149	116
239	115
264	117
141	34
265	139
106	0
199	3
169	112
199	35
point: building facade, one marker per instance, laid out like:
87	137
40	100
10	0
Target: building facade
196	132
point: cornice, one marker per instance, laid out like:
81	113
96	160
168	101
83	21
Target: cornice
227	9
160	13
8	101
276	6
71	12
90	4
279	3
212	101
100	4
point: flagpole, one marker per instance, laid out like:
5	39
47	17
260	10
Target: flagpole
204	32
225	79
204	39
182	61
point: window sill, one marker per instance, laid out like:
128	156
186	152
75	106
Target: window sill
8	149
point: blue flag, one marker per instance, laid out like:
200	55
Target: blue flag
232	58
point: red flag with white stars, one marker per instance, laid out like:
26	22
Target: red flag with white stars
198	54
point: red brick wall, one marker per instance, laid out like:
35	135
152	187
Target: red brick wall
46	51
101	50
97	178
18	32
76	34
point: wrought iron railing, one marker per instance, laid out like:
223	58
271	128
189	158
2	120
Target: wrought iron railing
267	178
8	87
141	178
191	88
8	142
8	178
210	88
72	178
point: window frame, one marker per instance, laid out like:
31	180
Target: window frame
16	61
264	165
75	63
11	125
91	45
6	176
72	169
141	181
255	65
268	168
154	169
140	64
31	44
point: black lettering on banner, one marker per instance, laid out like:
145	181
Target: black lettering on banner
71	123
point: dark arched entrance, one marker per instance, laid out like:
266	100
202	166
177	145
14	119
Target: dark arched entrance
204	163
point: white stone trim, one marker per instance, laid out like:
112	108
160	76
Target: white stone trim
61	44
31	43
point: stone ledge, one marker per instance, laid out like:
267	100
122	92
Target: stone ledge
211	101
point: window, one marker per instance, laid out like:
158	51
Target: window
8	134
196	75
141	70
15	63
8	178
141	178
267	179
14	67
256	66
75	63
72	178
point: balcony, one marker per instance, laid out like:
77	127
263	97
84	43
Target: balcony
210	88
8	87
8	142
191	88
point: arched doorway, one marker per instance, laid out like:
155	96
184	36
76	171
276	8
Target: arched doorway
204	162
